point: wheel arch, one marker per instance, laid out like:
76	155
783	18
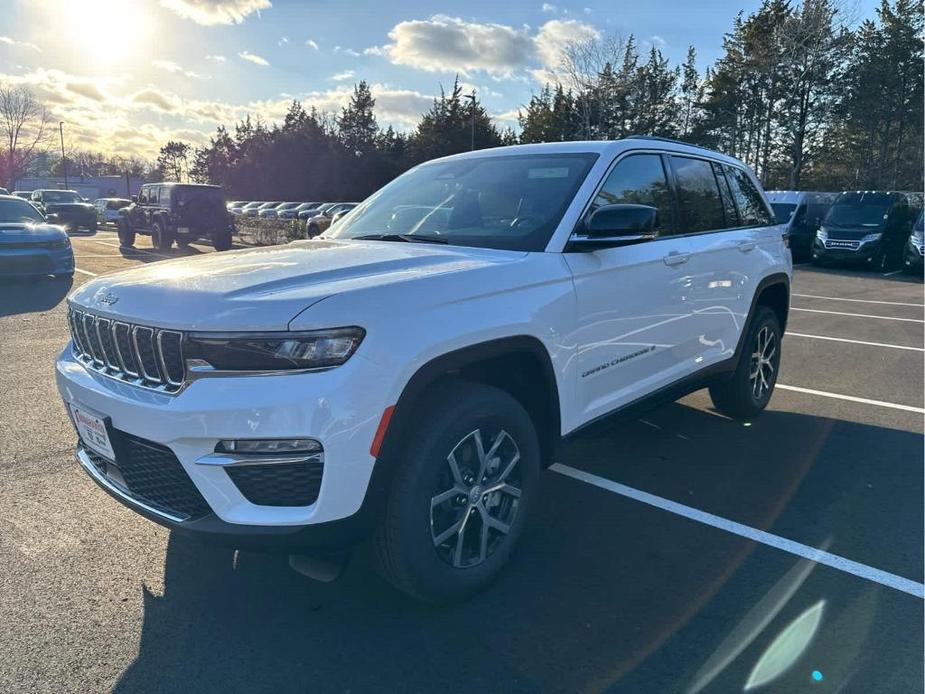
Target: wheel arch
772	291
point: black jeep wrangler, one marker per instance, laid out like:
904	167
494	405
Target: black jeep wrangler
181	212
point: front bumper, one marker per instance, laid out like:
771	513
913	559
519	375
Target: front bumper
336	407
864	253
76	218
32	262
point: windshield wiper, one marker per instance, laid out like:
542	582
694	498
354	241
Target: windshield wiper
410	238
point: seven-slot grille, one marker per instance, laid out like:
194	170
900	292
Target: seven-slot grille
137	354
843	244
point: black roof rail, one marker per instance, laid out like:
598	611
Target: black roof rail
658	138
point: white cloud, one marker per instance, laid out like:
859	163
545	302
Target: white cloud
211	12
556	34
170	66
657	41
549	8
451	44
283	41
341	76
253	58
19	44
311	44
347	51
216	58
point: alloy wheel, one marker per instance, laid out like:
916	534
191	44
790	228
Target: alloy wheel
477	498
761	374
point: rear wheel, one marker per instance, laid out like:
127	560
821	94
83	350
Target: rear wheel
161	237
749	390
221	240
459	500
313	231
92	226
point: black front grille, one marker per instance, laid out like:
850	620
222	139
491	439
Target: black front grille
284	484
152	474
144	356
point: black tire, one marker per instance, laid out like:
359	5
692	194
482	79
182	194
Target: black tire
405	546
126	234
221	241
741	397
92	227
183	241
312	231
161	236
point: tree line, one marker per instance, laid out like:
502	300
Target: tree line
806	99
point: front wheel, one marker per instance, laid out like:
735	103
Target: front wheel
467	476
126	234
749	390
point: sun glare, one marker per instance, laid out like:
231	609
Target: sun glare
114	30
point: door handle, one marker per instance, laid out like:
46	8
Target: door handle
746	246
676	258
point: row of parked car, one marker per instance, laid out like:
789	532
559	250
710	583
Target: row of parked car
318	215
880	229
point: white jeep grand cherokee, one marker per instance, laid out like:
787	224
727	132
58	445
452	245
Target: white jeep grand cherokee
406	376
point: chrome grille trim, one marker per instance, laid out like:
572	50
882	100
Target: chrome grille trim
138	358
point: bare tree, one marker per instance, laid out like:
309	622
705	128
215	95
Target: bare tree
582	64
25	129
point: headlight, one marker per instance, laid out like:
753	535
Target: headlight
872	237
274	351
822	234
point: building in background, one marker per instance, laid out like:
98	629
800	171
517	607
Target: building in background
90	187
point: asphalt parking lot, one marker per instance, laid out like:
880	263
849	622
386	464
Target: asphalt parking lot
677	552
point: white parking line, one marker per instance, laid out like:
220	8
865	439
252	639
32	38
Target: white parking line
129	250
855	342
890	274
852	398
85	272
858	315
859	301
812	553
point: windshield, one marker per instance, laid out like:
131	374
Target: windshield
860	209
17	211
507	202
58	196
783	211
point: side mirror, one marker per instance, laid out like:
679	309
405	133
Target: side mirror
611	225
134	198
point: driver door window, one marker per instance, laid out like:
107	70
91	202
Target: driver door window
640	179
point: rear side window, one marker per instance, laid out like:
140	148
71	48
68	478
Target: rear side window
752	210
729	207
698	195
143	196
639	180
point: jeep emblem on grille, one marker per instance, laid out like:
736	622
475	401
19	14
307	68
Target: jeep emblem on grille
108	298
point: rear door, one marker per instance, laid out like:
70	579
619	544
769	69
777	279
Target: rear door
725	218
633	332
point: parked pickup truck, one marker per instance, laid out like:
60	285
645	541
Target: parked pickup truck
404	378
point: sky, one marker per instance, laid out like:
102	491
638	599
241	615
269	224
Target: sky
127	75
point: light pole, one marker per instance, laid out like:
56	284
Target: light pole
471	97
63	157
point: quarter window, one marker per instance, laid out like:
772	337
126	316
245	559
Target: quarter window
698	195
729	208
639	180
752	210
143	196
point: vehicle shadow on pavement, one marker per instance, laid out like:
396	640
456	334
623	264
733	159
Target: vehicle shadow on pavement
152	255
32	294
892	274
604	592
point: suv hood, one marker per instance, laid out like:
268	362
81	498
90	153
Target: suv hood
265	288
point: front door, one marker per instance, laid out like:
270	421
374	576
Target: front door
633	332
